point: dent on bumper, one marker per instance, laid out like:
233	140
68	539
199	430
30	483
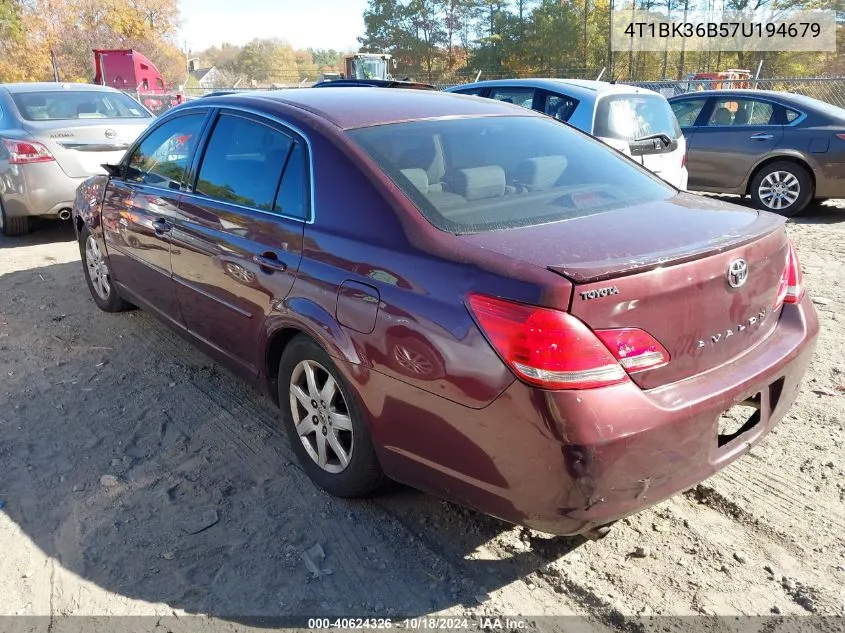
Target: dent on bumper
39	189
565	462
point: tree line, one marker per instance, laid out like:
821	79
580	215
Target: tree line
34	32
454	40
267	61
446	41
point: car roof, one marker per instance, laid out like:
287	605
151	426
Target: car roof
735	92
355	107
51	86
575	87
375	83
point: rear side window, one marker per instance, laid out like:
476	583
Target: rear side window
293	193
687	111
161	158
59	105
520	96
634	116
491	173
243	163
791	115
470	91
559	106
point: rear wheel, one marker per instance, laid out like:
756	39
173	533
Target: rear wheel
324	423
12	225
783	187
97	275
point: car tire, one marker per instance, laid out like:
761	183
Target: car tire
12	226
309	426
782	183
95	269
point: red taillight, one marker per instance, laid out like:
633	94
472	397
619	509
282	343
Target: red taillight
842	136
791	288
684	160
24	152
545	347
636	349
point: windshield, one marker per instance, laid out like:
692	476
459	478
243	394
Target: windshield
490	173
370	69
57	105
633	116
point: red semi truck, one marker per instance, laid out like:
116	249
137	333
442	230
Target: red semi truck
130	71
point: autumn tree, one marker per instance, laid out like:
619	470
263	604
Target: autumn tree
267	61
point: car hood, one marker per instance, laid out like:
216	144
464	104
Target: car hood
631	239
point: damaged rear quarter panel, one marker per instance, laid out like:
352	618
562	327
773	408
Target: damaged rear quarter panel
87	205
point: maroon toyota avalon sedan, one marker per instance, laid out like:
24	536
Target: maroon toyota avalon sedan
459	294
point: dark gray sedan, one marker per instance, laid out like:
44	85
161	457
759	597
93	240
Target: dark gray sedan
782	149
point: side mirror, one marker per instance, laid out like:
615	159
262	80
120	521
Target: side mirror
114	171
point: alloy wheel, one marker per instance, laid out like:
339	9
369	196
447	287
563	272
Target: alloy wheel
779	190
321	416
98	271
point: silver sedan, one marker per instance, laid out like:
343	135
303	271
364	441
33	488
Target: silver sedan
52	137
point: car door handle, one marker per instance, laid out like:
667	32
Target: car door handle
269	261
161	225
761	136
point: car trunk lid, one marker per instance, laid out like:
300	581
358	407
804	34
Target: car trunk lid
80	149
664	268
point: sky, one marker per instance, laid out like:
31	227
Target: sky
302	23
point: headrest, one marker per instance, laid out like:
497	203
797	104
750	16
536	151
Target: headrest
418	177
479	183
541	173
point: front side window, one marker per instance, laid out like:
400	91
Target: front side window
520	96
687	111
162	157
243	163
631	117
58	105
737	112
492	173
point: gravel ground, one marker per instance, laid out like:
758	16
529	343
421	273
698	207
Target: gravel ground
140	478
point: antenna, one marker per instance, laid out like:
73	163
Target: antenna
601	74
478	76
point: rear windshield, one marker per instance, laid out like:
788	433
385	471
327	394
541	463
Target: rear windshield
60	105
634	116
491	173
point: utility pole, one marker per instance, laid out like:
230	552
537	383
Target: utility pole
55	63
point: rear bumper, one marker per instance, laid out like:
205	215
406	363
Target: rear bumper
39	189
564	462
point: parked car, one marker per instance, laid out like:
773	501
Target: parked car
781	149
637	122
459	294
54	136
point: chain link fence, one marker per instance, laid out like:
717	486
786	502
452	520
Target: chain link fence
829	89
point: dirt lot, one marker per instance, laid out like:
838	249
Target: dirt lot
119	443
